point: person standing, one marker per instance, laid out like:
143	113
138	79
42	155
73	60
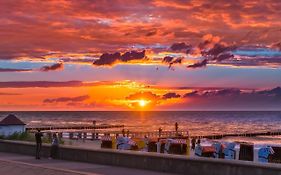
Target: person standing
160	132
193	143
38	138
176	128
54	146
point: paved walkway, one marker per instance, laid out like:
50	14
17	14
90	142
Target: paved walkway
15	164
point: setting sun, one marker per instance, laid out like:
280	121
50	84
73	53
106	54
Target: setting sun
143	103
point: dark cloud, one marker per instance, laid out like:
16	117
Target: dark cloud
171	60
218	49
45	84
233	98
14	70
231	92
276	92
223	56
171	95
180	46
191	94
77	60
56	66
67	99
223	92
107	59
199	64
110	59
133	55
212	49
167	59
143	95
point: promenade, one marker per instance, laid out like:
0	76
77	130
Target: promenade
16	164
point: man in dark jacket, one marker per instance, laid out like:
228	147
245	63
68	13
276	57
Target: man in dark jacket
38	136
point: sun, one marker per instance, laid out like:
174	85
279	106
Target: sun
143	103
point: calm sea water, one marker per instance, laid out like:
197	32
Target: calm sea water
197	123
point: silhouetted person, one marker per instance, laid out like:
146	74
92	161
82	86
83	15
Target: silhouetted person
55	146
160	132
176	127
198	142
123	132
38	136
193	143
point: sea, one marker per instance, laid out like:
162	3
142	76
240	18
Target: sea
196	122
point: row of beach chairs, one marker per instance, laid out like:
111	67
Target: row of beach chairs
182	147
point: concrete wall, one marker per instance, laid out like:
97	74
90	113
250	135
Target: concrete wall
11	129
150	161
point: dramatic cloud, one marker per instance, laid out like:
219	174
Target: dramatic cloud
107	26
181	46
143	95
67	99
191	94
171	95
14	70
199	64
110	59
167	59
45	84
223	56
209	41
171	60
234	99
276	92
214	93
57	66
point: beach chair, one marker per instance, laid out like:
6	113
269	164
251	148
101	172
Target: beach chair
152	146
161	145
175	146
276	157
264	154
229	151
218	149
246	152
204	151
125	143
106	142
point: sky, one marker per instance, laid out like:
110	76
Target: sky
140	55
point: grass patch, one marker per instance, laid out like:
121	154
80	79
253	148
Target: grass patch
26	136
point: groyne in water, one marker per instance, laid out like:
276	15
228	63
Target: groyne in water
93	132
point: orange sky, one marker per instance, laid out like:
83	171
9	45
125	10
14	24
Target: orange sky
140	55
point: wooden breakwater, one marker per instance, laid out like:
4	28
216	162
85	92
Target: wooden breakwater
252	134
98	134
72	127
98	131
